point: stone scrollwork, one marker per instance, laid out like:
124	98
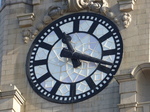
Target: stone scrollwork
77	5
94	6
99	6
102	6
55	11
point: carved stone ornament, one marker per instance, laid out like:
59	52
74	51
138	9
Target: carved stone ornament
26	36
53	12
98	6
125	7
93	5
126	19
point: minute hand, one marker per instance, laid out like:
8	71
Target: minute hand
76	55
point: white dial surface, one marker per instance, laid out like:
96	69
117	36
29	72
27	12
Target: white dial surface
62	69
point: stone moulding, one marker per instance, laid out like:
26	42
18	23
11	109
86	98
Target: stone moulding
125	7
12	97
26	20
128	105
124	77
129	89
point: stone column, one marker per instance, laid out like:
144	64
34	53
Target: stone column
128	93
11	99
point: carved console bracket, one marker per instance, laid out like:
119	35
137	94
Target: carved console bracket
26	20
125	7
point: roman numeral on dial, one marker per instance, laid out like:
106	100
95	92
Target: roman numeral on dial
72	89
40	62
109	52
45	46
43	78
93	27
58	32
103	69
90	82
105	37
55	88
76	26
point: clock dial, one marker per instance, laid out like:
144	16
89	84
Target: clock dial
74	58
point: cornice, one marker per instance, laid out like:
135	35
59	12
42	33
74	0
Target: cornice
11	91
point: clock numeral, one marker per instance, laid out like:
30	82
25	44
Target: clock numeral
103	69
73	89
109	52
58	32
46	46
105	37
76	26
55	88
40	62
93	27
43	78
90	82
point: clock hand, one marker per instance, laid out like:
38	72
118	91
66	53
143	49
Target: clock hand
76	55
67	40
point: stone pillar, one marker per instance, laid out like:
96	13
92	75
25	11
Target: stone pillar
11	99
128	93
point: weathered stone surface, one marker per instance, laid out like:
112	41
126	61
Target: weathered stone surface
13	54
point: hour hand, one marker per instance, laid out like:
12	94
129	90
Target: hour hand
66	40
76	55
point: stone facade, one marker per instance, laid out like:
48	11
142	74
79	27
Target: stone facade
22	20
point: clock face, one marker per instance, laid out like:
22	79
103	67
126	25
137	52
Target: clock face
74	58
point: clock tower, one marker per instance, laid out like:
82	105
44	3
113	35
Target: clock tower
74	56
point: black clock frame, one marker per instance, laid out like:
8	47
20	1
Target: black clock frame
95	89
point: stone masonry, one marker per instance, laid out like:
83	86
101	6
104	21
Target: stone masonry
22	20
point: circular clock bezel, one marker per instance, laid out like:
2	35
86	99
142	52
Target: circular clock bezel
97	18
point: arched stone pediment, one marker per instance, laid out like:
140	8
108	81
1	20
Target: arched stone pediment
141	70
